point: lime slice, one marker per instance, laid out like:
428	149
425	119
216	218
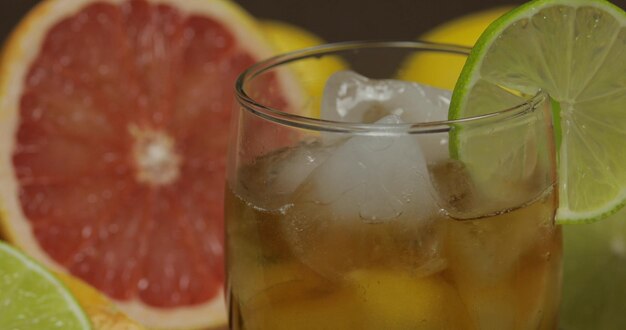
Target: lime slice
575	50
32	298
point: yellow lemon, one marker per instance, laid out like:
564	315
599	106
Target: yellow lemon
311	73
443	70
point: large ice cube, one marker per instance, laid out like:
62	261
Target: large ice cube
350	97
374	178
273	178
296	165
370	199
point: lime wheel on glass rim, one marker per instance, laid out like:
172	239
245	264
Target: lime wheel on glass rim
113	133
574	50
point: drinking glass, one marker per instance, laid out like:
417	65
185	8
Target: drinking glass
383	223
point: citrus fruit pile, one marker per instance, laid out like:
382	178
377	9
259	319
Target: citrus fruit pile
114	119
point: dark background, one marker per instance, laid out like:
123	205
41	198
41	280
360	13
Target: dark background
334	20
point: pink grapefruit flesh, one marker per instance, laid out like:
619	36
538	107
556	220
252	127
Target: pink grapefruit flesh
120	149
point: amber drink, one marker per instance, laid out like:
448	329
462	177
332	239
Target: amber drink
384	215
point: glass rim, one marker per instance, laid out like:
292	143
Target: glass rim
299	121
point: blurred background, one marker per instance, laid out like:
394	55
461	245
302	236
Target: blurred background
333	20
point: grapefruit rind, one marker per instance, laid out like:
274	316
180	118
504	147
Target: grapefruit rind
101	311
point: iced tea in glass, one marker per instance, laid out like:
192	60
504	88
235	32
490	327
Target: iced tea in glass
364	208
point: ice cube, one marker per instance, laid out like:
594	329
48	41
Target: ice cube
374	178
297	165
456	192
350	97
371	197
271	180
369	200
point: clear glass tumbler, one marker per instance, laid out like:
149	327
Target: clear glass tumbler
386	224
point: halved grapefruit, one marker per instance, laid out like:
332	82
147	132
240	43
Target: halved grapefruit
113	134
